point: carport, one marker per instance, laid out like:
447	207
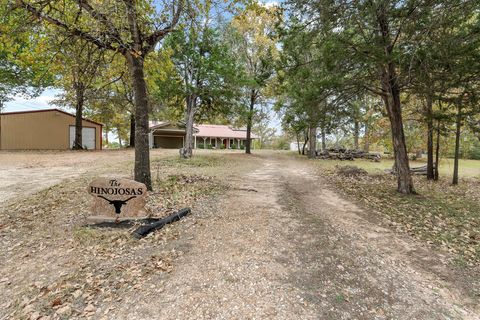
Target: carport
167	135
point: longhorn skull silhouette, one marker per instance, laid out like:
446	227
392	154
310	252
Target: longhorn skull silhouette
117	203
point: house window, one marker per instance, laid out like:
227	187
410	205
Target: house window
231	142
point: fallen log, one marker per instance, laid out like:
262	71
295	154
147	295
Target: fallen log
102	222
144	230
422	170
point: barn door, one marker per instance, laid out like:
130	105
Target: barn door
88	137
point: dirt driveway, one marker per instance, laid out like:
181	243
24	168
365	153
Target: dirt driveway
281	245
275	243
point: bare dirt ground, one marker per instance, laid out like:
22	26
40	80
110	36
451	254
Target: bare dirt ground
275	242
26	172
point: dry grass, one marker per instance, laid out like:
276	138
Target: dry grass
441	214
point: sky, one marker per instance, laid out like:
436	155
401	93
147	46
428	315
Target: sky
43	101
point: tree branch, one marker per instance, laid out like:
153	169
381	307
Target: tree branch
156	36
102	18
71	31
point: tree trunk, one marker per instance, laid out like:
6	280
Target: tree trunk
305	142
356	133
430	170
437	153
248	142
366	140
80	99
394	111
298	143
186	151
106	135
457	145
312	150
132	130
142	151
324	140
391	97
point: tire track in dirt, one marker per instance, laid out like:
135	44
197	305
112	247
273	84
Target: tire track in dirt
356	269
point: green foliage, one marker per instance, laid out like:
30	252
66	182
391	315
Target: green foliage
280	143
24	62
113	145
475	151
204	69
253	39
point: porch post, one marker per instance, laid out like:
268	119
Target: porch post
150	140
195	142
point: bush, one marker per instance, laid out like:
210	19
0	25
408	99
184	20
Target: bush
475	151
200	146
234	146
242	147
209	146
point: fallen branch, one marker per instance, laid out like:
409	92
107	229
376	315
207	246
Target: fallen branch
422	170
143	231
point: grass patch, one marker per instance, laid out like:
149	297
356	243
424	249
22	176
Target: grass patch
197	161
441	214
467	168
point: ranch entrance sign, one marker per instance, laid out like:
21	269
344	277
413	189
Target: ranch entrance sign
118	198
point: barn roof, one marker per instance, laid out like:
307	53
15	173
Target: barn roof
48	110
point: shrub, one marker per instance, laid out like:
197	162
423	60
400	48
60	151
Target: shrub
475	151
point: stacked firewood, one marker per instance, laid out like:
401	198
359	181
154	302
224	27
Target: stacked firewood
347	154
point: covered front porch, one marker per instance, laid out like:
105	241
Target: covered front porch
219	143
